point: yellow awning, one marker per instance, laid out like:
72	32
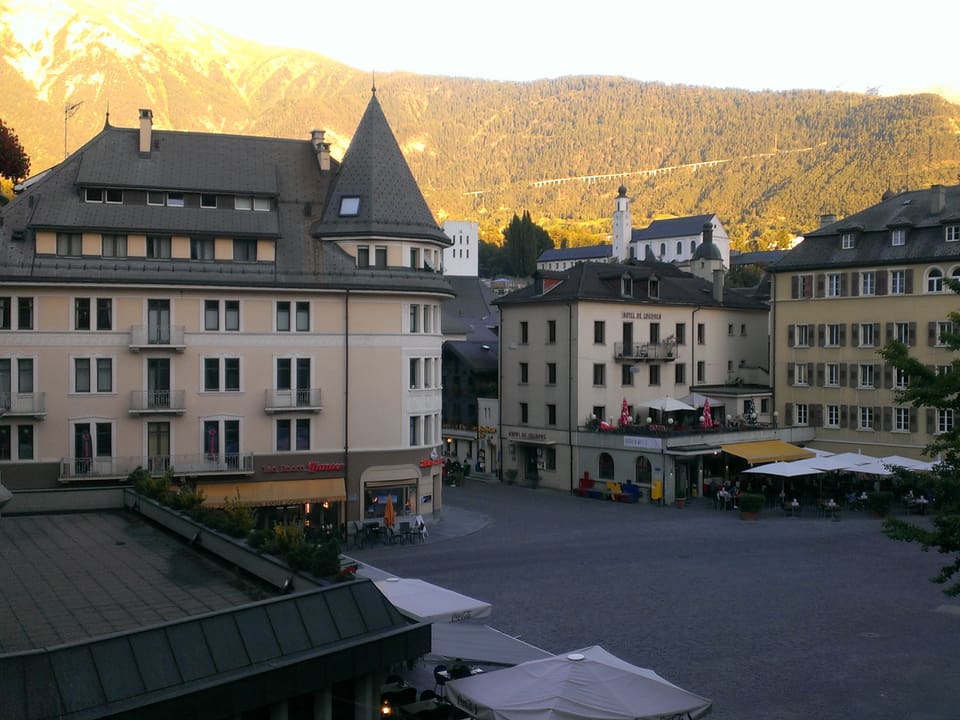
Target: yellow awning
262	493
764	451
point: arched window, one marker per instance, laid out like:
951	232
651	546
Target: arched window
955	273
663	250
679	248
643	472
693	247
934	280
605	467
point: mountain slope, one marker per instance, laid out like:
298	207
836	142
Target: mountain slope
767	163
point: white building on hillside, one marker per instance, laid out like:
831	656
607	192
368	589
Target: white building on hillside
462	257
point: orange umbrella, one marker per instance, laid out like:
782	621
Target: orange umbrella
389	513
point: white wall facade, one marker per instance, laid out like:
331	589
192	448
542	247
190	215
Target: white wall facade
462	258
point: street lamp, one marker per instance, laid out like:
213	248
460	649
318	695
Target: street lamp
776	416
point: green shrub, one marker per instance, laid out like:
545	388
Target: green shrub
751	502
287	538
326	558
186	499
239	518
880	502
146	484
259	540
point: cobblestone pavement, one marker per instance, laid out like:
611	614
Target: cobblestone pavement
784	618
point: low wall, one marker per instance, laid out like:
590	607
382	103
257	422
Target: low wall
33	502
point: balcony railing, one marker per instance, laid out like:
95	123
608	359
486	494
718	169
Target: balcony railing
648	352
23	404
297	400
118	468
157	337
157	402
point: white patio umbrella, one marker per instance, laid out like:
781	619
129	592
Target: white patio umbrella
893	461
665	404
588	684
796	468
841	461
871	468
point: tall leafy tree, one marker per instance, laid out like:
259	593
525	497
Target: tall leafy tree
940	391
14	163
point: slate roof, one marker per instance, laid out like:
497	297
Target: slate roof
601	282
871	227
592	252
374	169
757	257
672	227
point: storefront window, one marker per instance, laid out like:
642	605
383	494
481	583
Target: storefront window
404	500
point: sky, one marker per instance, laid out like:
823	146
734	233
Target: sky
838	44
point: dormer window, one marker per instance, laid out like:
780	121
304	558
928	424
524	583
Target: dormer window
208	200
175	199
93	195
626	286
846	241
349	206
951	233
898	236
114	196
653	288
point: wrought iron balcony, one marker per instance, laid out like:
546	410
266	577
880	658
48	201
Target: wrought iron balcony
31	405
118	468
157	402
158	337
645	352
295	400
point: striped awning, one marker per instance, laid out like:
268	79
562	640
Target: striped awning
264	493
764	451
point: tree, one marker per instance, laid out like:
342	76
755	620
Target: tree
523	242
939	391
14	163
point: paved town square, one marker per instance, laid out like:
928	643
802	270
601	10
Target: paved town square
785	617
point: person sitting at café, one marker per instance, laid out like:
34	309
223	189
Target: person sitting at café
459	670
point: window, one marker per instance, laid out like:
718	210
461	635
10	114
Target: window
524	332
551	414
730	329
25	313
349	206
380	256
113	245
24	442
211	315
935	280
866	376
81	314
951	233
175	199
868	283
653	287
551	373
743	329
901	378
414	373
414	318
156	198
898	236
901	419
599	412
93	375
898	282
158	247
901	332
221	374
427	314
261	204
834	285
834	335
701	371
244	250
69	244
293	434
599	374
800	374
680	374
303	316
832	418
701	333
833	375
626	375
654	374
104	314
868	335
283	316
208	200
802	286
524	373
599	332
846	241
363	256
524	413
551	331
550	458
866	417
943	328
801	414
944	421
231	374
211	374
201	249
680	333
802	336
114	196
243	202
626	286
415	258
93	195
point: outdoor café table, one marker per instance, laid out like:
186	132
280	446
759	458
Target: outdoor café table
373	530
432	709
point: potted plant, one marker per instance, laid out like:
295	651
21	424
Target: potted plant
879	503
750	506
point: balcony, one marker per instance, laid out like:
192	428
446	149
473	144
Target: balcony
645	352
152	337
157	402
285	401
25	405
118	468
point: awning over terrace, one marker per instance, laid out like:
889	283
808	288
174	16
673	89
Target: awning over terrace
765	451
273	492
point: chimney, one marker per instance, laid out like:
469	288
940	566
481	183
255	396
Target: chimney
146	130
827	219
718	276
321	148
938	198
708	233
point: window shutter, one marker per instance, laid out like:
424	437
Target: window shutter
788	414
816	415
790	373
887	418
912	334
931	334
820	374
877	416
790	335
931	421
821	334
843	374
810	367
844	416
888	333
887	376
855	334
913	419
909	281
843	284
820	283
854	284
854	375
876	332
881	282
794	287
843	334
877	374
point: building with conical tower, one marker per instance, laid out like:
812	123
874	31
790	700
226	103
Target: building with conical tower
243	314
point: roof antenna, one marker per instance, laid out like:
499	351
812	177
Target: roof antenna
373	74
106	121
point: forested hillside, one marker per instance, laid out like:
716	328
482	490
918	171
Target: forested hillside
768	163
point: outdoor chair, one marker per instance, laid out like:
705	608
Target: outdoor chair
440	677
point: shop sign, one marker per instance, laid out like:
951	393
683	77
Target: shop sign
312	466
524	435
642	315
430	462
642	443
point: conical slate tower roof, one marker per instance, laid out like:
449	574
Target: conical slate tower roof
374	192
